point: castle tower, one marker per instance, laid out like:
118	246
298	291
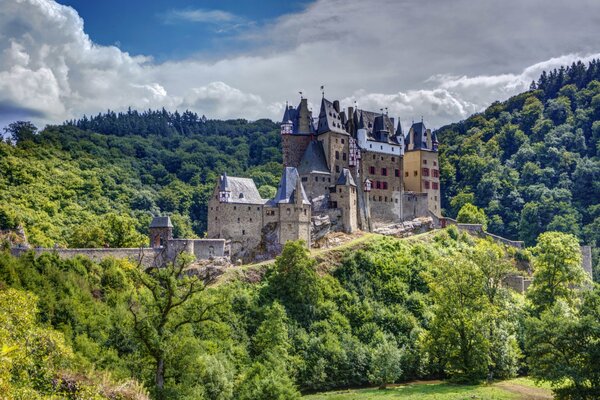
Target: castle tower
421	165
297	130
294	208
161	231
345	198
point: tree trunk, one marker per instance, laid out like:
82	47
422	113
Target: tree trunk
160	374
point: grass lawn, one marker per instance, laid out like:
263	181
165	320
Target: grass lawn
440	391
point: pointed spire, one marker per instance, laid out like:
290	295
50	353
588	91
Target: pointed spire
399	129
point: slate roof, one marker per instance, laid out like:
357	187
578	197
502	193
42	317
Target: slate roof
373	123
313	160
243	190
161	222
345	178
286	192
293	114
418	134
330	119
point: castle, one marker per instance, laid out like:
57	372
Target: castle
351	169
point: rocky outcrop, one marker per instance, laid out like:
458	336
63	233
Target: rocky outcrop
407	228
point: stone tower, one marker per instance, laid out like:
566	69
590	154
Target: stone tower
297	131
421	165
161	230
345	199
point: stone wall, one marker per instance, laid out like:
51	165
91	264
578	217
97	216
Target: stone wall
293	148
518	283
586	260
201	249
240	223
332	143
477	229
414	205
148	257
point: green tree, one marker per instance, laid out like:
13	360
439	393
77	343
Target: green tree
470	214
564	347
457	339
294	282
21	131
386	363
165	300
557	270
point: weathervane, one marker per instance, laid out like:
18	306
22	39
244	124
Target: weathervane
301	95
323	90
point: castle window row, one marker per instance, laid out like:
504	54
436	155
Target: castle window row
431	185
337	156
381	185
384	199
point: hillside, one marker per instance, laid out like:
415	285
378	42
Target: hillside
80	183
375	310
532	162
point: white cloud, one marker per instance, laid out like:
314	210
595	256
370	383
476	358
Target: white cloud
201	15
434	59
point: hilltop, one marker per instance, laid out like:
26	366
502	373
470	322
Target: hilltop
532	162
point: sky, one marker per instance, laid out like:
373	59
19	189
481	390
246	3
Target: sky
438	59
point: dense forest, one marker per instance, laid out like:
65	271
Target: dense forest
78	183
391	311
532	163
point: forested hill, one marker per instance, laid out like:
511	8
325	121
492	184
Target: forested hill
96	181
532	162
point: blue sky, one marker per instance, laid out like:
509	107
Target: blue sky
439	59
176	29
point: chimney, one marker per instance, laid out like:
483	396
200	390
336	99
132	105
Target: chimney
336	105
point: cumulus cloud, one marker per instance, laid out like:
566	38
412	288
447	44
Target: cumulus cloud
437	59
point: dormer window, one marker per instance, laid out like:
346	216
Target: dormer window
241	195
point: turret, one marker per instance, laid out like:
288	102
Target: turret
224	189
161	231
400	137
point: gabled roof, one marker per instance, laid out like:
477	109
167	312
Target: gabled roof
301	118
161	222
286	192
375	122
313	160
329	119
417	136
345	178
243	190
